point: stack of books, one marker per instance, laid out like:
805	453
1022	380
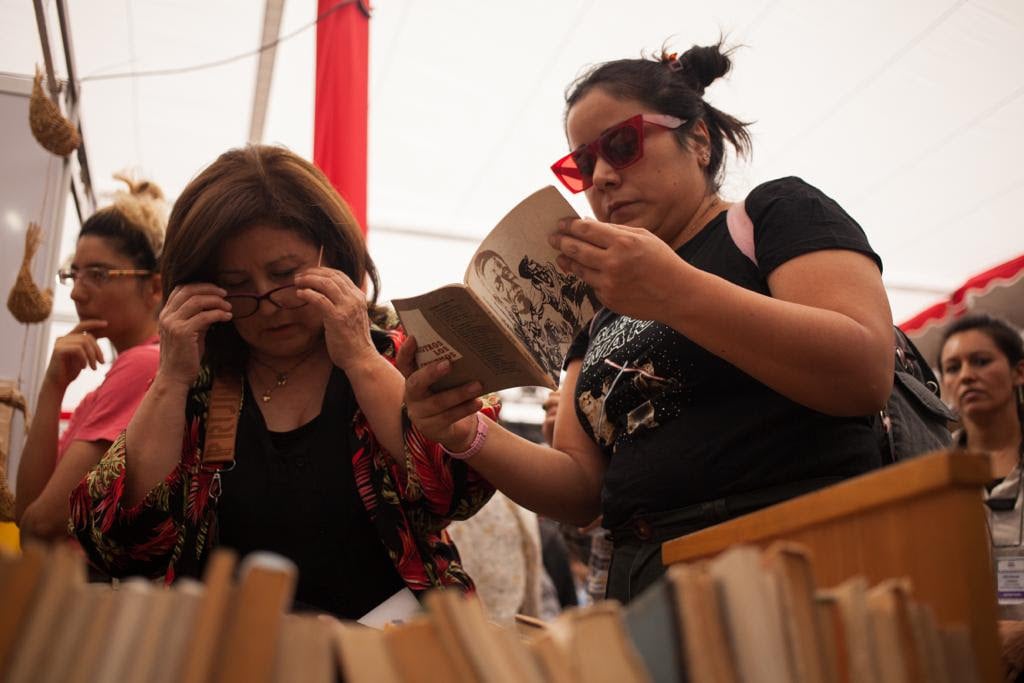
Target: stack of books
746	615
757	615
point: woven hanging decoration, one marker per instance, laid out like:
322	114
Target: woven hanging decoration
26	302
10	400
49	127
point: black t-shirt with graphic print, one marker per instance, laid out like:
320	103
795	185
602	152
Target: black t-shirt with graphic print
680	425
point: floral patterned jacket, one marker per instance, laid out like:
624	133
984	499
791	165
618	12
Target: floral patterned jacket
168	533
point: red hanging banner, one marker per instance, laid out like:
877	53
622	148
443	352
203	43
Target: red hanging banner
339	129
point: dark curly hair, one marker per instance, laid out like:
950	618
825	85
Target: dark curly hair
675	86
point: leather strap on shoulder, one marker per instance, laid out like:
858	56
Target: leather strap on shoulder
222	420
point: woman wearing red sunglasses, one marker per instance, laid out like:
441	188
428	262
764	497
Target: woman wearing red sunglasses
711	383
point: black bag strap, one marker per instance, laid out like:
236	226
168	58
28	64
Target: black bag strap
910	360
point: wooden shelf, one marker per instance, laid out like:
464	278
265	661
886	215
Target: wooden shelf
924	519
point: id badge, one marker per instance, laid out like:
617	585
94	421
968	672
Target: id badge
1010	580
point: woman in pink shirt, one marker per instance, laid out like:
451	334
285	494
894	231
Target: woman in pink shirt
117	293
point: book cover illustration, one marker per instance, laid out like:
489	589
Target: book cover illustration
512	319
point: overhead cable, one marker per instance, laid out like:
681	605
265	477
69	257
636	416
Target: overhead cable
228	60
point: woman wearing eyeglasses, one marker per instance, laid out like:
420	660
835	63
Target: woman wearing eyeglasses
116	290
709	385
265	312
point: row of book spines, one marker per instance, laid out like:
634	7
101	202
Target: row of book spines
752	615
744	616
55	626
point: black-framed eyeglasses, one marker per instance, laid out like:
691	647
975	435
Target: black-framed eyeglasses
244	305
97	276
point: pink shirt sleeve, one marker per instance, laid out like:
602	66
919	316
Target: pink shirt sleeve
106	411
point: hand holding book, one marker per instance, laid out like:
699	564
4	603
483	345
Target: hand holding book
625	266
447	417
511	320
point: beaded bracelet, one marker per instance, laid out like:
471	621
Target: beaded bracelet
476	445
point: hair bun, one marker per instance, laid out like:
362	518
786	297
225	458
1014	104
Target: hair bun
141	188
700	65
144	206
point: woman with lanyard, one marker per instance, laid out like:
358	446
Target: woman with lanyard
712	383
115	286
981	364
265	309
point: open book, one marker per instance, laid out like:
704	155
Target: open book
511	320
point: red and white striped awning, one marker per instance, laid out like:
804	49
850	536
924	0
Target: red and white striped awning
998	291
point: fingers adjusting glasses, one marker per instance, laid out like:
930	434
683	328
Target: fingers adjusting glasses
244	305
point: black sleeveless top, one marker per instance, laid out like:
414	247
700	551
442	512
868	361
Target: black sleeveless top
294	493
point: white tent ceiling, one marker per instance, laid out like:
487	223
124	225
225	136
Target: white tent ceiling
907	113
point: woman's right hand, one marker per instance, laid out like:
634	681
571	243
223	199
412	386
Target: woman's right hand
184	320
625	266
447	417
73	351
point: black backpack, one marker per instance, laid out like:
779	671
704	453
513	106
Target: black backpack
914	421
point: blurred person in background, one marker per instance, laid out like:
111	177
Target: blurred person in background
981	365
116	288
589	548
500	547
